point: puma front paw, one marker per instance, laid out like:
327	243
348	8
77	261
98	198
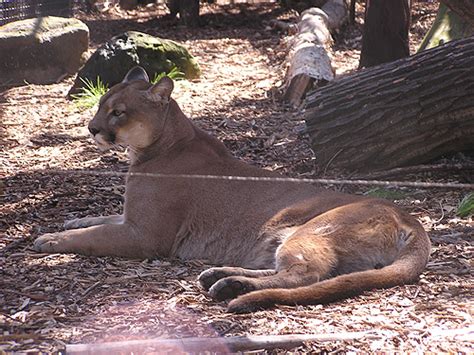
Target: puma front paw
231	287
75	223
51	243
78	223
210	276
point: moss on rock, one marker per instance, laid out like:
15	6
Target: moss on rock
114	58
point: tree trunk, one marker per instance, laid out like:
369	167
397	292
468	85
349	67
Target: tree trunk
352	12
173	6
464	9
401	113
385	36
447	26
188	11
128	4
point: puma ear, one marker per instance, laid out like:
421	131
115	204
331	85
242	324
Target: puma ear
136	73
161	90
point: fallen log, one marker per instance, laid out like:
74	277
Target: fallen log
220	345
419	169
310	65
401	113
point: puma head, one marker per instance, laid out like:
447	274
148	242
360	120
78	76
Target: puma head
132	113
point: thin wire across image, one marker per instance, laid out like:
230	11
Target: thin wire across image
419	184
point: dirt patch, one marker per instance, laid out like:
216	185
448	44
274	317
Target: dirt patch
49	300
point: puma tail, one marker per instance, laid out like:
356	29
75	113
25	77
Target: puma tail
404	270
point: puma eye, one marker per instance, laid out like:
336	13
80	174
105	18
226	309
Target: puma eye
117	113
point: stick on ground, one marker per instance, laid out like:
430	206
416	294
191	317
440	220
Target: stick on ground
224	345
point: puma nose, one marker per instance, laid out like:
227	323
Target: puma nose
93	131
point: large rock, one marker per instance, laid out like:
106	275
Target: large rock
116	57
41	50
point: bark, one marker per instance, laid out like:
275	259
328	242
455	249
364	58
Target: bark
385	35
406	112
463	8
310	65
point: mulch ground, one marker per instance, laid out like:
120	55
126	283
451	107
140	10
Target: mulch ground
47	301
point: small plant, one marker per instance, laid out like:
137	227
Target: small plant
90	93
466	207
174	74
386	193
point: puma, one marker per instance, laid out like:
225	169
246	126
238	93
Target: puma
279	242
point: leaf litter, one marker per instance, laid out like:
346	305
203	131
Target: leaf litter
48	301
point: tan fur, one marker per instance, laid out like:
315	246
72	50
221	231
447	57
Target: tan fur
280	242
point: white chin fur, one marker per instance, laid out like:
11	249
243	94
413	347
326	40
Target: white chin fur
101	143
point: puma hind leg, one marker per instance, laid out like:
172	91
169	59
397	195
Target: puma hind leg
234	286
311	263
368	246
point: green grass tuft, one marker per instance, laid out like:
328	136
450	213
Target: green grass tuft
466	206
174	74
90	93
